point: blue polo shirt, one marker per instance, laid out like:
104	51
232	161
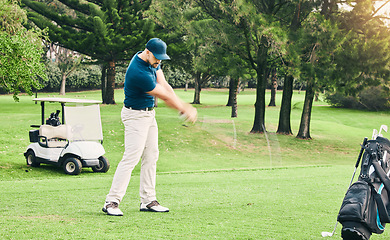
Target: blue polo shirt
140	78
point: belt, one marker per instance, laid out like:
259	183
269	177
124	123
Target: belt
141	109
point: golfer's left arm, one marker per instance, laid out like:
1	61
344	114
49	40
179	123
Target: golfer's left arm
165	92
163	82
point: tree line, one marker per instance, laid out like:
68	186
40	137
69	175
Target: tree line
328	45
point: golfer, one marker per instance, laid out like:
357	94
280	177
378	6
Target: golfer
144	80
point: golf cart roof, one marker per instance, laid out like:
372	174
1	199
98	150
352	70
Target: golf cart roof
66	100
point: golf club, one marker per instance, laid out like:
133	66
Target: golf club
328	234
374	134
384	128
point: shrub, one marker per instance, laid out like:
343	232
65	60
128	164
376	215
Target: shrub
88	77
371	98
120	72
340	100
375	98
177	78
85	77
53	81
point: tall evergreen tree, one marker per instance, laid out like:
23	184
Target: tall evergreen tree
320	43
106	30
365	60
257	35
192	38
297	12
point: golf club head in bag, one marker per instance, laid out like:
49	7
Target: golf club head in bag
384	128
374	134
364	209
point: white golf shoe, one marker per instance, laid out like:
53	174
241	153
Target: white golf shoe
153	206
111	208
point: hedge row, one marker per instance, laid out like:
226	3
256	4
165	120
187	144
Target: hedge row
372	99
89	77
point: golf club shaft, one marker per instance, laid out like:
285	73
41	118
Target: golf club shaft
334	229
350	183
353	176
358	159
354	172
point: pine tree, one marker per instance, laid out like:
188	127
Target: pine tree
256	35
106	30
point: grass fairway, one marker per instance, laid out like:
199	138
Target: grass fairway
219	181
291	203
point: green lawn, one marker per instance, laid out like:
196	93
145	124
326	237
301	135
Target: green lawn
220	181
290	203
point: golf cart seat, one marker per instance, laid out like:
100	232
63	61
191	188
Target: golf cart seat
54	136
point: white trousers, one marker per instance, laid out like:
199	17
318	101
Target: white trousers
141	142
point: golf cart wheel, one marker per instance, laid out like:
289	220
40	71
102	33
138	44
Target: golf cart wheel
31	160
72	166
104	165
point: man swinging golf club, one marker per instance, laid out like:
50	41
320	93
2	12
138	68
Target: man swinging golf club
144	80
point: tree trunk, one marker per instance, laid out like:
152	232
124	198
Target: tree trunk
274	87
262	77
259	122
235	84
110	87
104	81
231	92
155	102
284	126
316	97
304	127
198	88
63	83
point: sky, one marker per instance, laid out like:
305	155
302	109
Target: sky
385	9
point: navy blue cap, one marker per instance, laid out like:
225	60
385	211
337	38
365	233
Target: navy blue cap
159	48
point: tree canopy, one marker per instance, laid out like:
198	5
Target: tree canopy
106	30
318	43
20	51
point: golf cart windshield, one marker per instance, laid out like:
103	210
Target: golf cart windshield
82	118
84	122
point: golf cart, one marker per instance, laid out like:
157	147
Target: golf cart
73	144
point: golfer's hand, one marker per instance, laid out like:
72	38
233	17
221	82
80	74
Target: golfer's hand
190	114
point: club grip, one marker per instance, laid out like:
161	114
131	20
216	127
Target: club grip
361	152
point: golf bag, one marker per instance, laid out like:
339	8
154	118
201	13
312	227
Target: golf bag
365	208
54	120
